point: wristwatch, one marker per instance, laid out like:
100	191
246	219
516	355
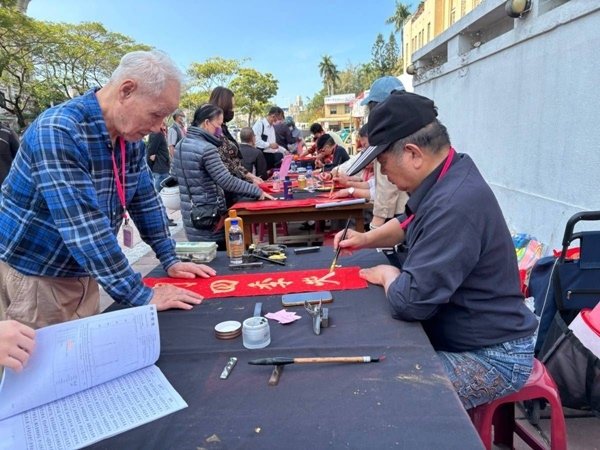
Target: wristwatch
351	191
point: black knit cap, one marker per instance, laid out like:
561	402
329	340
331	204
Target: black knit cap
398	116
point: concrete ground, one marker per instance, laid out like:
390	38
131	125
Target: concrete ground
583	429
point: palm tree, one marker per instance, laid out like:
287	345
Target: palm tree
329	73
400	15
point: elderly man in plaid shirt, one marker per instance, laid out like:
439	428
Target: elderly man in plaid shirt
79	175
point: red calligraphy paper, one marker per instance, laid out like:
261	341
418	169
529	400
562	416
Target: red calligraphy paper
283	204
248	285
275	204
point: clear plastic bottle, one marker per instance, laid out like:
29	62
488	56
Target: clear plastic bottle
310	186
236	243
276	181
227	224
293	167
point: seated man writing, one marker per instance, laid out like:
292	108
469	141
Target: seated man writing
329	154
460	276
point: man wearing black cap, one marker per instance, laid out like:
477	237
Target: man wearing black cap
460	276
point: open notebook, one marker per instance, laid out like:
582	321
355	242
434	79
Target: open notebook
87	380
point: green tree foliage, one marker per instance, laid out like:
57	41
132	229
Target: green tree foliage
378	56
315	108
213	72
253	90
329	73
401	13
83	56
367	73
22	44
190	100
385	57
46	63
8	3
349	79
392	55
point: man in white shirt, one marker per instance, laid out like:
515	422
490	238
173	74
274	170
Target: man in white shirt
265	137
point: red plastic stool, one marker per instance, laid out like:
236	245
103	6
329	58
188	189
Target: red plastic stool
501	413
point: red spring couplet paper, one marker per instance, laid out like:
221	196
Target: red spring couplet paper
249	285
261	205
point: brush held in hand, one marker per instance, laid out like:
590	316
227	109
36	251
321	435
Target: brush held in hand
337	252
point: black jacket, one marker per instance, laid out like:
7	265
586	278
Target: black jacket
157	145
9	144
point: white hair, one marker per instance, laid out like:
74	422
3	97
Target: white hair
153	69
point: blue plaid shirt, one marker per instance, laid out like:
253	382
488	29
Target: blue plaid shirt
59	208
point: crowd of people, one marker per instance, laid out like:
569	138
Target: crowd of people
82	172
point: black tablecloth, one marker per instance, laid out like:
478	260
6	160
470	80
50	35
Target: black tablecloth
405	401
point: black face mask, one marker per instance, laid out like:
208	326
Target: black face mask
228	116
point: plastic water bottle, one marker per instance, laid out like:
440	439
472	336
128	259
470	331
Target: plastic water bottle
293	166
288	194
236	243
310	186
276	181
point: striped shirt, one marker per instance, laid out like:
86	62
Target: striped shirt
59	208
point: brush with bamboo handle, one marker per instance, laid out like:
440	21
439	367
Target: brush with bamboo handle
337	252
279	361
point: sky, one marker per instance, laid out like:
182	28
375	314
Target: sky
285	38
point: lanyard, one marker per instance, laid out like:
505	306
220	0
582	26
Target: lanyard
121	184
404	225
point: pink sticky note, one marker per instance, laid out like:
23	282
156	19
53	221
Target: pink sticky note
283	316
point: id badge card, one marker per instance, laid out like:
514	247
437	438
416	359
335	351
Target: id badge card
127	235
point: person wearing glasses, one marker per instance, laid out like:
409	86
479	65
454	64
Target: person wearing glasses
204	179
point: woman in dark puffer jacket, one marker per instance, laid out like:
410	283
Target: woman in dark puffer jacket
202	175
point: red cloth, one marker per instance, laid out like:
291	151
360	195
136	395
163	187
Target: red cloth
268	283
282	204
274	204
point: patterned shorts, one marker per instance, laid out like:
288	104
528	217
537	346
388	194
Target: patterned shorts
483	375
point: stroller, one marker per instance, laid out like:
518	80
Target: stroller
562	286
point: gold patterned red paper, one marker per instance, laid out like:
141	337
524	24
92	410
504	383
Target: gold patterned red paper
248	285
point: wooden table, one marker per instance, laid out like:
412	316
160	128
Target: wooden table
299	214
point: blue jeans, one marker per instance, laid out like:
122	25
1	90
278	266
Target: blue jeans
483	375
159	178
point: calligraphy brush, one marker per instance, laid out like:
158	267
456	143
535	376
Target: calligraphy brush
337	252
279	361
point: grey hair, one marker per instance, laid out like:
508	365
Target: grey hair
434	137
153	69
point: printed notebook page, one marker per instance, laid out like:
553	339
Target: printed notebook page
94	414
73	356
